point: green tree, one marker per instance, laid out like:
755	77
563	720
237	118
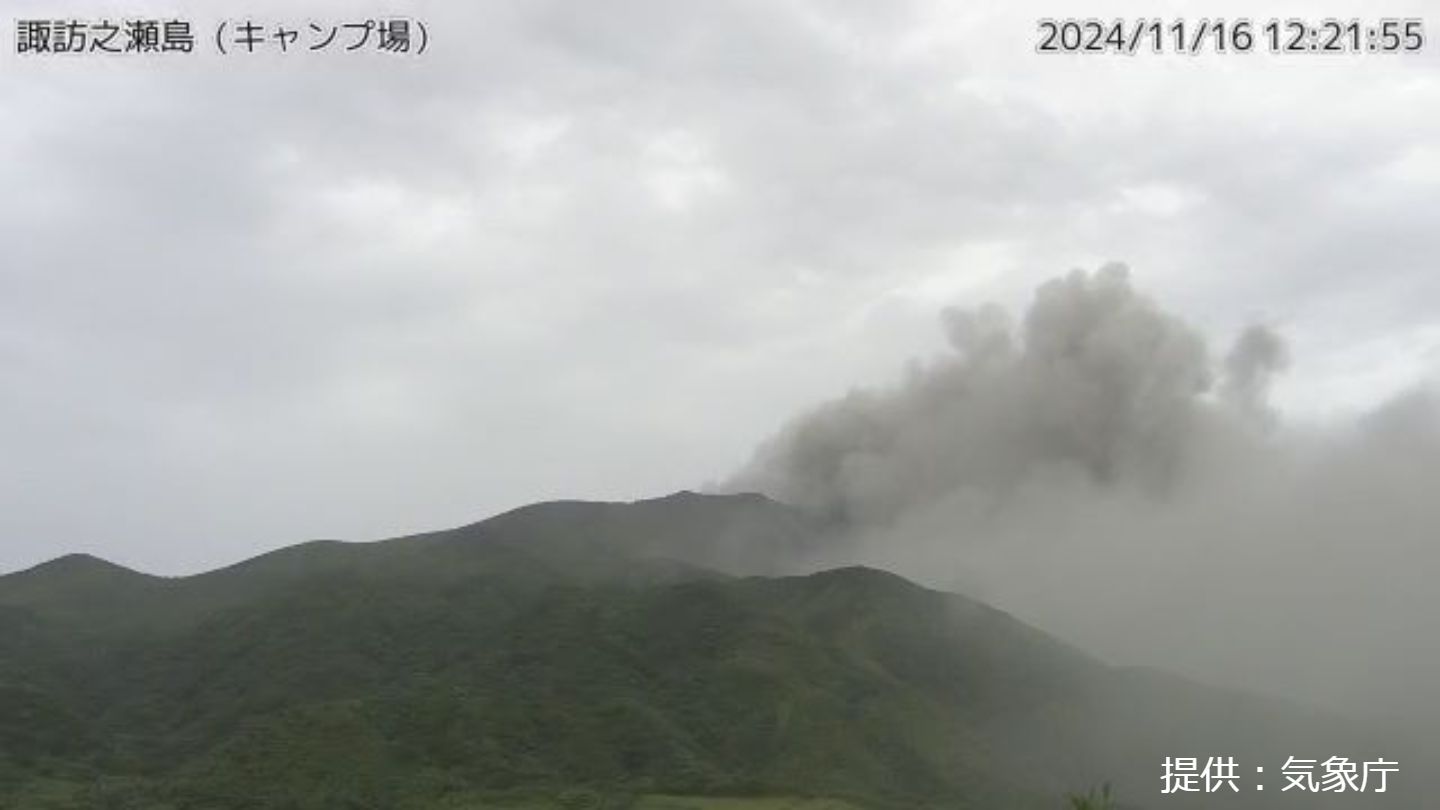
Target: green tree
1093	799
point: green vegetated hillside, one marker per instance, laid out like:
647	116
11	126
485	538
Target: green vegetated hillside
577	655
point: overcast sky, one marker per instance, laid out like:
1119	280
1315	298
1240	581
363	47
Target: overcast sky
600	250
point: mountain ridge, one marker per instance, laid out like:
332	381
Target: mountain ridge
571	646
72	561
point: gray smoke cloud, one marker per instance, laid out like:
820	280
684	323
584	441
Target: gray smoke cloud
1250	368
1099	383
1093	469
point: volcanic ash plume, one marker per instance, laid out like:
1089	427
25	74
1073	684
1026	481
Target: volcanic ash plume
1097	382
1092	470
